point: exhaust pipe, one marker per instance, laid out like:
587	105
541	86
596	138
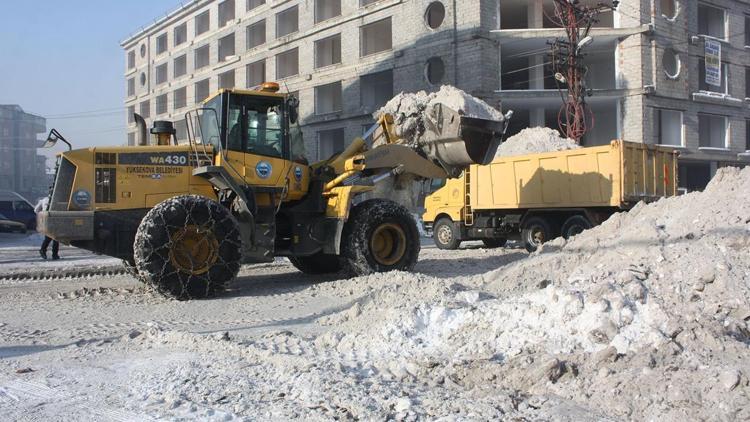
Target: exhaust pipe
141	137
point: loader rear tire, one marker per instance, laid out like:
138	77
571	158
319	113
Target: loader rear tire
188	247
379	236
319	263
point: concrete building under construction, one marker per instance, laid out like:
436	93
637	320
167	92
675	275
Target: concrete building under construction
22	170
646	75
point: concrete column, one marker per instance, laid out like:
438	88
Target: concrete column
536	117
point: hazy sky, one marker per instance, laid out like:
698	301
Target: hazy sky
62	60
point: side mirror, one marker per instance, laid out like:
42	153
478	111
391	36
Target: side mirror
292	104
52	139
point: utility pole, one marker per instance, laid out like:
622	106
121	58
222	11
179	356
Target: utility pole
575	117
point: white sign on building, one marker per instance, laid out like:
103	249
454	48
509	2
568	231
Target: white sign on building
713	62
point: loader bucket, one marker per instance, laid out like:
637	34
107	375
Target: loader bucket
456	141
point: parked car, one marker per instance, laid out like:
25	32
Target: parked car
16	208
11	226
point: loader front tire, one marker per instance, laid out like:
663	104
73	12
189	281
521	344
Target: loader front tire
319	263
188	247
379	236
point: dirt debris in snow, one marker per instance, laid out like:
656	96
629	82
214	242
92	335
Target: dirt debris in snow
535	140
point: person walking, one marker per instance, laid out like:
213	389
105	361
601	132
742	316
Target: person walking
42	205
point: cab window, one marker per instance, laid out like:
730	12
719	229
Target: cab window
264	131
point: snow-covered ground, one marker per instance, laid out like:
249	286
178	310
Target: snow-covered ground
645	317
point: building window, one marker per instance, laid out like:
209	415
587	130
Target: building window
180	66
256	73
202	22
328	98
252	4
202	90
226	47
131	114
435	70
131	139
287	64
327	9
747	30
435	15
375	37
747	135
226	12
366	2
161	43
161	74
703	86
671	62
143	79
202	57
712	21
747	82
328	51
145	109
376	89
131	87
668	125
287	21
180	34
712	131
330	142
180	98
256	34
131	59
226	80
143	50
161	104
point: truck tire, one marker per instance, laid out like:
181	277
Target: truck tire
536	231
445	235
379	236
188	247
497	242
319	263
575	225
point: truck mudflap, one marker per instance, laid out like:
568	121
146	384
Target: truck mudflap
66	226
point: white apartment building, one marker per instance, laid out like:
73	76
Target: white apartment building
345	58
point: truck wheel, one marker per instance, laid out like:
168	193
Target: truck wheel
188	247
535	231
445	235
497	242
319	263
575	225
379	236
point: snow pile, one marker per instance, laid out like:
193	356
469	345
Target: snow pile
654	300
408	109
535	140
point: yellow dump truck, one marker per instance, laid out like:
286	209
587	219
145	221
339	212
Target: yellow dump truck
538	197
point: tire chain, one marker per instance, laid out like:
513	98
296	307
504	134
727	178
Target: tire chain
189	205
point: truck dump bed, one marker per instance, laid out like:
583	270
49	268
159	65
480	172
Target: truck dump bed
616	175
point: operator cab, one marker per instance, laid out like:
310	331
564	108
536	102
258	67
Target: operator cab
259	122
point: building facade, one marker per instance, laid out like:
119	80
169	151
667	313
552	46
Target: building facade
345	58
22	170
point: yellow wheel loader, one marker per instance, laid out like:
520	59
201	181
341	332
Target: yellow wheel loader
184	217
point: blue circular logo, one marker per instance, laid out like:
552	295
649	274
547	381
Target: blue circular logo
298	173
263	169
82	198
